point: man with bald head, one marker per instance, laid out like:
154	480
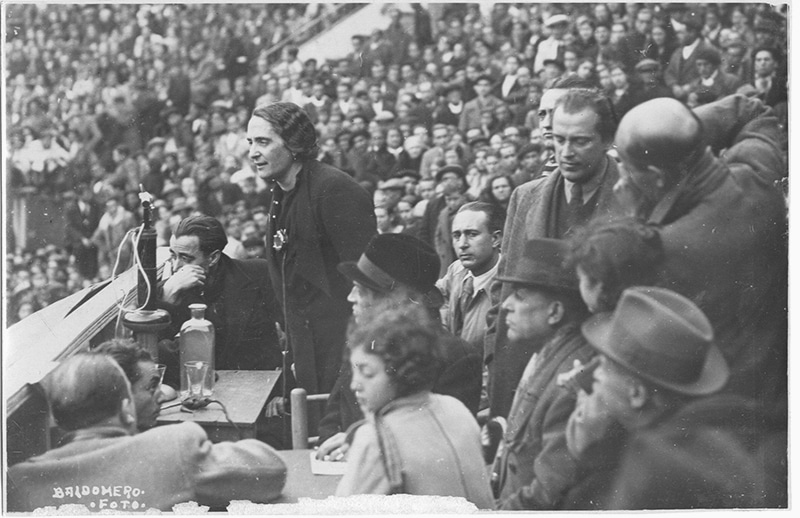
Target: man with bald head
91	400
580	123
722	222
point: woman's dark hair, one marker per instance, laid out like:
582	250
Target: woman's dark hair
291	122
404	336
621	253
487	195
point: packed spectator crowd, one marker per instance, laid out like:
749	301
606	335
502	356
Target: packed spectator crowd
496	222
159	96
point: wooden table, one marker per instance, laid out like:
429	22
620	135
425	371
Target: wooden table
244	394
301	483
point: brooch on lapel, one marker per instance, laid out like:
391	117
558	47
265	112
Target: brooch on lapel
279	240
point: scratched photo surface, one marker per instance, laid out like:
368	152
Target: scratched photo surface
378	257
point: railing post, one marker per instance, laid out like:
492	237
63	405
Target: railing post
299	407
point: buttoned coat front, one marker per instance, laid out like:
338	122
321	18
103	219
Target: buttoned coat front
327	219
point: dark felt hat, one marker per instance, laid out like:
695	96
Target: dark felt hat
543	264
663	337
450	169
479	140
406	173
391	260
558	63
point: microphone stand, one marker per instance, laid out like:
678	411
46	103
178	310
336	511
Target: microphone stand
146	323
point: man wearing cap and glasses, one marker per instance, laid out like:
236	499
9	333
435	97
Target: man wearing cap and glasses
533	469
679	445
397	267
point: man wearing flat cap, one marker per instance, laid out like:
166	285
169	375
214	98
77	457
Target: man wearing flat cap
552	47
653	430
395	267
722	221
543	313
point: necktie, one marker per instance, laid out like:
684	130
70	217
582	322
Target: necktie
467	291
575	204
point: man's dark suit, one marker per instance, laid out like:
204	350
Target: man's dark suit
82	225
242	306
530	216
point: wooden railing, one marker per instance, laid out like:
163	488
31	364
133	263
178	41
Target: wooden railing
34	346
309	29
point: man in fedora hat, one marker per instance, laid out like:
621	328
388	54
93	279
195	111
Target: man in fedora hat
543	312
398	267
680	445
582	126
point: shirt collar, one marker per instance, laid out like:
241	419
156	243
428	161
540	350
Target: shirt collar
483	280
688	49
710	80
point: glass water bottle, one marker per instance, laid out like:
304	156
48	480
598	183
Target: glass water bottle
197	344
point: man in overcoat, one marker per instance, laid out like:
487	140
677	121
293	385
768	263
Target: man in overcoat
534	468
580	189
722	221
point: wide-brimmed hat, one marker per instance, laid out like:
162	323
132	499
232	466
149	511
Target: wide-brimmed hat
391	260
663	337
543	265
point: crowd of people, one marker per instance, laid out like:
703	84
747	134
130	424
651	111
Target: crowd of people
504	238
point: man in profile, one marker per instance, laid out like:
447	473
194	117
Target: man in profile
143	376
102	465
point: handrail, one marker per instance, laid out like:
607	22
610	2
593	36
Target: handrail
339	14
34	346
